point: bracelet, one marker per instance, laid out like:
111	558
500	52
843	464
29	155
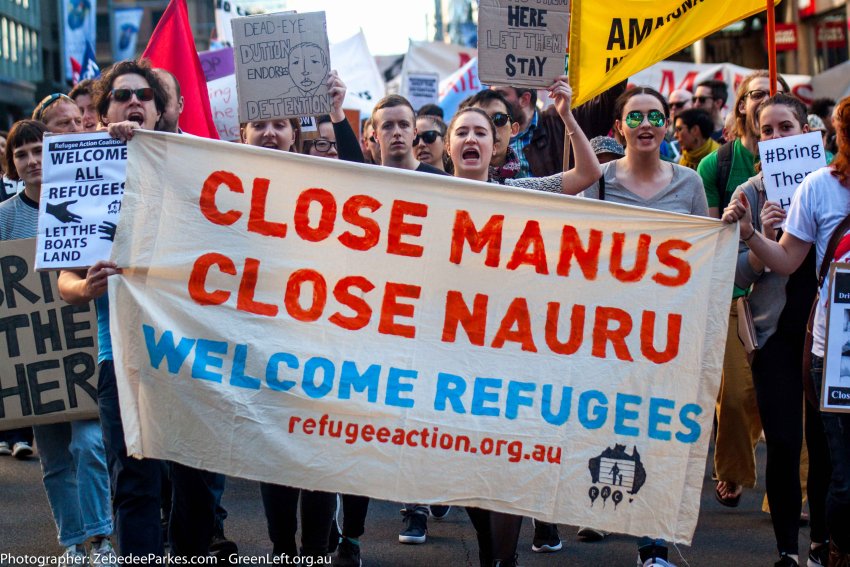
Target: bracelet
753	233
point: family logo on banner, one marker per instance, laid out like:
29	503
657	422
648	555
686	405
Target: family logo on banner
525	42
421	89
48	371
80	203
353	325
217	63
282	65
78	28
611	41
785	162
835	392
224	105
125	32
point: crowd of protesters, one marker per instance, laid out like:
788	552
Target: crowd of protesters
686	153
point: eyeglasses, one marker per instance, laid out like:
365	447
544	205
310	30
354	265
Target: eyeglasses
756	95
678	104
38	113
124	95
635	118
428	136
323	145
701	99
500	119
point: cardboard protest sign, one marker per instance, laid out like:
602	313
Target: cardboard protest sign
224	105
48	370
335	326
786	161
525	41
421	89
611	41
217	63
835	391
282	65
81	191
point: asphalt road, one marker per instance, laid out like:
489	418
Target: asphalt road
733	537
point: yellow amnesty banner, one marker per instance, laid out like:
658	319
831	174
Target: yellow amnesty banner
611	41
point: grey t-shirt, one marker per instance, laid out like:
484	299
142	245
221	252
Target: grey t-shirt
684	194
18	218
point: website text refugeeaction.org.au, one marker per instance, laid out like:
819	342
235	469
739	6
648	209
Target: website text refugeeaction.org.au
425	438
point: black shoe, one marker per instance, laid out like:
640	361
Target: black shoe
506	562
785	561
649	548
819	556
546	538
415	527
223	549
347	555
439	511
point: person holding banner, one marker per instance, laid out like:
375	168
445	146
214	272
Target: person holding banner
738	424
73	460
471	144
780	309
818	209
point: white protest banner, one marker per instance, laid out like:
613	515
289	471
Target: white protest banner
421	89
667	76
282	65
525	41
224	105
125	32
785	162
81	191
48	371
338	327
835	391
435	57
365	85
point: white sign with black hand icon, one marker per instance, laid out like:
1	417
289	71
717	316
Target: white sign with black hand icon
81	191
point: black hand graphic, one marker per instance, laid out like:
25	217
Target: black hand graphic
108	231
61	212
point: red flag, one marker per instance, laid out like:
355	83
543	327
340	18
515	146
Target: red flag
172	47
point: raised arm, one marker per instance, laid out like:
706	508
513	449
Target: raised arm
586	169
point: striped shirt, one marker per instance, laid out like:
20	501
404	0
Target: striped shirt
18	218
519	143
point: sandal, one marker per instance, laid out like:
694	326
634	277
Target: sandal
728	501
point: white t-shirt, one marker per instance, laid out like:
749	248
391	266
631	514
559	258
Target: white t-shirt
818	207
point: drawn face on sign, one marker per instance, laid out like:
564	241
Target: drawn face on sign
308	67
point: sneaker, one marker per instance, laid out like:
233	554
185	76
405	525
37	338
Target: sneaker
546	538
652	551
415	527
222	548
786	561
591	534
74	554
819	556
21	450
103	554
4	448
439	511
347	554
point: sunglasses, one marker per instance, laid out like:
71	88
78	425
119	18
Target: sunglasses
38	113
124	95
635	118
428	136
323	145
757	95
678	104
701	99
500	119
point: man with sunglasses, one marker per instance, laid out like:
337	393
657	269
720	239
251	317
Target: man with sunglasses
711	96
539	144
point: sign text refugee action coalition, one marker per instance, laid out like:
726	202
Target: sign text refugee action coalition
342	327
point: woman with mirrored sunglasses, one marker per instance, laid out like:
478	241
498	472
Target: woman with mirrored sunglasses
642	178
429	144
